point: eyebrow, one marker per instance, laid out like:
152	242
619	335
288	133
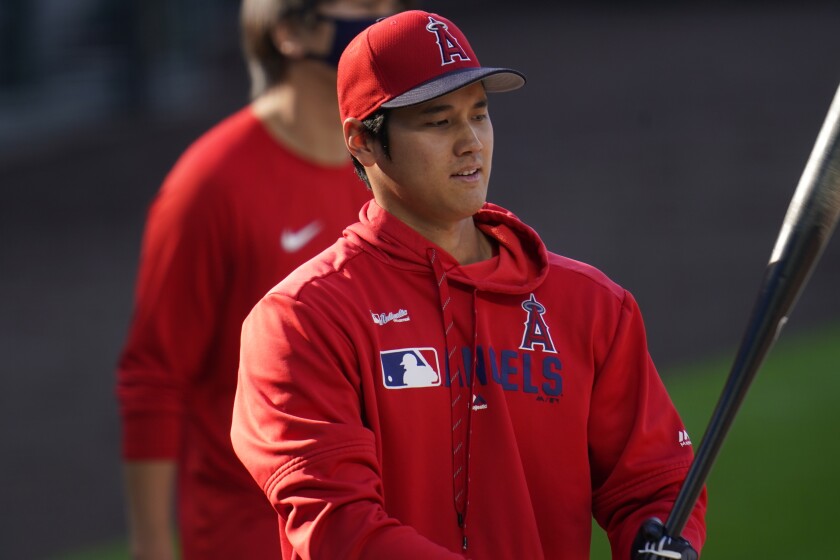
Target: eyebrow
435	109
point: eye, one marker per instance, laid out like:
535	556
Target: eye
442	122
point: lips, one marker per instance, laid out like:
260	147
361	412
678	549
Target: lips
468	168
467	172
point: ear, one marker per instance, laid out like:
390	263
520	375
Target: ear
359	142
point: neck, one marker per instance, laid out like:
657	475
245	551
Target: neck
302	113
464	241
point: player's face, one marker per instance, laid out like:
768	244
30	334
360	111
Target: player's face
440	157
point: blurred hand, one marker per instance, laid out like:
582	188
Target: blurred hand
651	543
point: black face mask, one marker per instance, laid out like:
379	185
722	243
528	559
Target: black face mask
345	31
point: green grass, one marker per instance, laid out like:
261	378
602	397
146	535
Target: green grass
108	551
774	489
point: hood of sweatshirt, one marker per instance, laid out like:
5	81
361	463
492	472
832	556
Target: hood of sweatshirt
521	265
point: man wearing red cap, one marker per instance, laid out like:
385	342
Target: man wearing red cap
539	406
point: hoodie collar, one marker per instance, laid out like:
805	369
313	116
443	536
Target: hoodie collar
522	261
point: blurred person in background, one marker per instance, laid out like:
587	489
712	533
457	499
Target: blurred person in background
261	192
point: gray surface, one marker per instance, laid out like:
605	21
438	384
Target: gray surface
662	146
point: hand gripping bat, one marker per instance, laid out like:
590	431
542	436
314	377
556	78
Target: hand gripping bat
807	227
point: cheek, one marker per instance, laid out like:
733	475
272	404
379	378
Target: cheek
486	138
418	156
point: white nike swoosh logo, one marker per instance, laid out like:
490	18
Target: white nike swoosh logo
293	241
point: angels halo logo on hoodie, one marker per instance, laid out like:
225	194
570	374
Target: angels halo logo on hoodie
536	331
410	368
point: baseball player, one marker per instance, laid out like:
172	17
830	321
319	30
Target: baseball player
543	408
263	191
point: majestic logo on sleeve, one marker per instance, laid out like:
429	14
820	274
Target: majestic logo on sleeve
536	331
410	368
449	47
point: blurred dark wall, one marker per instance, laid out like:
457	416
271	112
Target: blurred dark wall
659	142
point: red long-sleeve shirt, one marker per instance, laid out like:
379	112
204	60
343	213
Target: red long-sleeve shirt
346	416
236	214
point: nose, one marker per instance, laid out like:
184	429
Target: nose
469	140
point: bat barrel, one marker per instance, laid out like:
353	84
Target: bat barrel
807	227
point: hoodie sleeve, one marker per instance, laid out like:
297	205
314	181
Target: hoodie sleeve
298	428
638	458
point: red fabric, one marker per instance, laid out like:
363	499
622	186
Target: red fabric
359	465
374	69
407	51
211	249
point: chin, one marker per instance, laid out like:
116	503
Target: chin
475	207
479	201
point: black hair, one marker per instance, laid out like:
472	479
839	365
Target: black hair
376	126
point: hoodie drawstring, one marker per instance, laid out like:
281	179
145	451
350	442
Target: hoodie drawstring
460	398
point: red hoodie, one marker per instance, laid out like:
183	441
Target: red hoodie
552	412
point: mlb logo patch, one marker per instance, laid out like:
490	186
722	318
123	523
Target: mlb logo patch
410	368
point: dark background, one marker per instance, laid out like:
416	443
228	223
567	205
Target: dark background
659	142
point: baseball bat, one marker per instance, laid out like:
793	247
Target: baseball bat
807	227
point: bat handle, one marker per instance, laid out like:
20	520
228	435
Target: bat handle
689	493
695	479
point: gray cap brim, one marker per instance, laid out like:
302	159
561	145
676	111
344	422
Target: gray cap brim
494	79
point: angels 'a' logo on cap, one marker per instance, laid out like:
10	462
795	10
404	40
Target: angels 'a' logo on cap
449	47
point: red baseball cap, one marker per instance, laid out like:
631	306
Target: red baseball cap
409	58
